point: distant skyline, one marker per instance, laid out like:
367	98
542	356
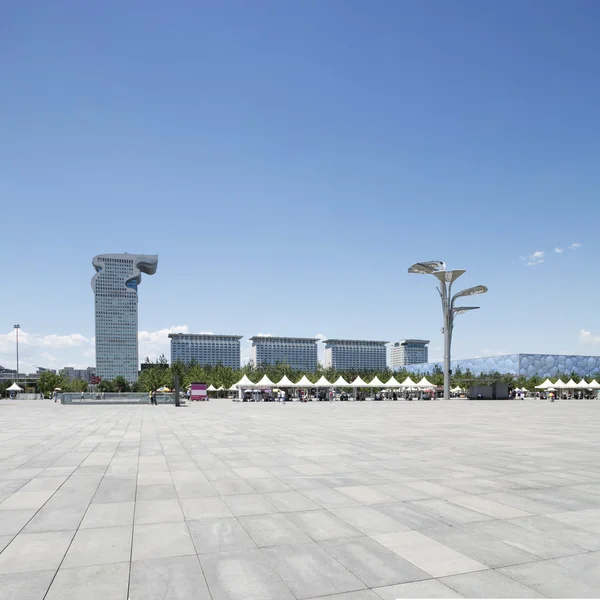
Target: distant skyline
289	161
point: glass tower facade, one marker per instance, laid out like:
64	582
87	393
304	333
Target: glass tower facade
115	287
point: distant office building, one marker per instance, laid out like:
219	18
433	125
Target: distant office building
408	352
206	349
115	287
527	365
82	374
356	354
298	353
11	374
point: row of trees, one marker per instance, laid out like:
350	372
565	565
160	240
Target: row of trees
160	373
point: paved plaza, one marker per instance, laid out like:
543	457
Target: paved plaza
337	501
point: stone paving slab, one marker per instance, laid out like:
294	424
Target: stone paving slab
343	501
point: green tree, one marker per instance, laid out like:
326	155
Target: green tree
106	386
48	382
120	384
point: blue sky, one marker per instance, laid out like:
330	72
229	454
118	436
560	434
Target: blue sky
288	161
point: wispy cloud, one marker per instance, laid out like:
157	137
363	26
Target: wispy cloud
587	337
575	246
559	250
533	259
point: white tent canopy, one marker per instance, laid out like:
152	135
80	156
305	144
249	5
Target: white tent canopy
220	389
244	382
14	388
456	389
408	383
559	385
304	382
570	384
211	388
593	385
376	383
233	388
424	383
393	383
322	382
359	383
265	382
544	386
341	382
583	384
284	382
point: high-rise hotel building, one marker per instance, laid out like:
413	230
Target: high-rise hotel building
365	355
206	349
408	352
298	353
115	286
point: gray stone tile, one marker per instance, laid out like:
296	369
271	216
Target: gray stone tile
430	588
486	549
436	559
321	525
562	531
450	513
53	517
177	578
158	511
366	494
268	484
25	586
480	584
243	575
12	521
329	498
588	520
410	515
158	540
273	530
368	520
195	489
249	504
232	487
159	491
587	565
35	552
290	501
99	546
205	508
360	595
43	483
102	582
22	500
372	563
116	489
219	535
113	514
309	571
552	580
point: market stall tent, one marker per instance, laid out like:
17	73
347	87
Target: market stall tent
305	382
14	388
376	383
285	382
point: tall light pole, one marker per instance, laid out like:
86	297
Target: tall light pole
449	311
17	327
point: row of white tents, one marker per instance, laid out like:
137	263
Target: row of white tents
305	382
570	385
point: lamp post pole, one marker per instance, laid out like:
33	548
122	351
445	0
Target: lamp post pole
17	327
449	311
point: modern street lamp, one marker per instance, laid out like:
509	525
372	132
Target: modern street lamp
446	279
17	327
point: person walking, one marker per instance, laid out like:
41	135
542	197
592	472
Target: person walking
153	398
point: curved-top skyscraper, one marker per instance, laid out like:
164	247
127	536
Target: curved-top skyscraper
116	299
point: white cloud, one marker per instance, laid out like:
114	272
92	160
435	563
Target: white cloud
75	350
575	246
320	336
533	259
587	337
154	343
559	250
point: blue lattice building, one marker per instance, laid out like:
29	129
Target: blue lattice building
528	365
